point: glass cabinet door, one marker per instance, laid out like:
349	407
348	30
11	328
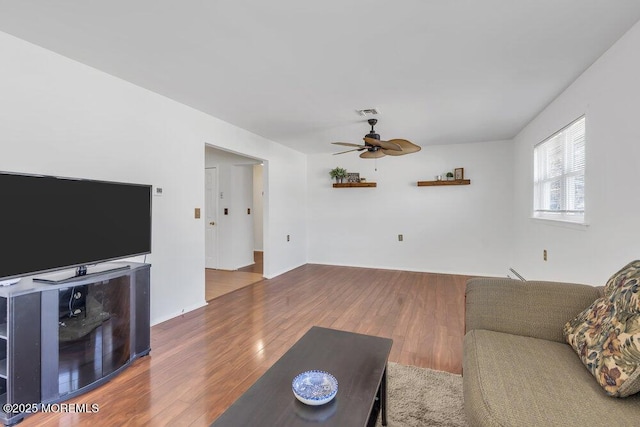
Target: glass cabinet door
93	332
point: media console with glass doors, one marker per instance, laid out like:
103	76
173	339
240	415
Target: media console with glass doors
63	337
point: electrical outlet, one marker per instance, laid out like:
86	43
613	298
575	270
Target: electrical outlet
400	237
544	254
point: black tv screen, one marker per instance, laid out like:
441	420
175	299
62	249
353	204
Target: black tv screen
49	223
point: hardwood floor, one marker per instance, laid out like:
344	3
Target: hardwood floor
202	361
221	282
257	266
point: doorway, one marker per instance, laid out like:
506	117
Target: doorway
233	222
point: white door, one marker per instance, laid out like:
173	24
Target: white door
211	216
242	176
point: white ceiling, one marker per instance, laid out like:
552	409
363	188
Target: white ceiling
295	71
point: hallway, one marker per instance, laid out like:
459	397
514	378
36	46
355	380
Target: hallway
221	282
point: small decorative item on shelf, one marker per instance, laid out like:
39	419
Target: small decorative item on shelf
363	179
449	176
438	177
458	174
338	173
353	177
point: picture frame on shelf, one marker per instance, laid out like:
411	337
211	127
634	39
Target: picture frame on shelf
458	174
353	177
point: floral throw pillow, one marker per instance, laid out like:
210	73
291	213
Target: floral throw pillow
622	288
606	335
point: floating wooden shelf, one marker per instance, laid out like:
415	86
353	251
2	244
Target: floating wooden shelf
354	184
453	182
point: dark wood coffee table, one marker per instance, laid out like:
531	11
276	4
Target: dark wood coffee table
359	363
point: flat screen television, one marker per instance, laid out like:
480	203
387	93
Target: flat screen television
49	223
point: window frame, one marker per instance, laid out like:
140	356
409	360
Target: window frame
562	215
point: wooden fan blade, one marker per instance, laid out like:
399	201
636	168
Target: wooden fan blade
348	151
382	144
372	154
407	147
348	144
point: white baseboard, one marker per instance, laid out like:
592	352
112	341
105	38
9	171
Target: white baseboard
286	270
178	313
415	270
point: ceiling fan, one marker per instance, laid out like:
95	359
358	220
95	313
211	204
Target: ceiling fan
376	148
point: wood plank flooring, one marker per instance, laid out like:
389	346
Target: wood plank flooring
202	361
258	264
221	282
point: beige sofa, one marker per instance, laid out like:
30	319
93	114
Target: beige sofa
517	368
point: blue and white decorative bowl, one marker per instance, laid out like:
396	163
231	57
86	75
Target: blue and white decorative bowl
315	387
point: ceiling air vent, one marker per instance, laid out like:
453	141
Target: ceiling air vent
368	112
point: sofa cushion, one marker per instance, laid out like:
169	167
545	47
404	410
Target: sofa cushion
534	309
606	335
512	380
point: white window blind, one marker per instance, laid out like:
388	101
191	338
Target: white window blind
558	175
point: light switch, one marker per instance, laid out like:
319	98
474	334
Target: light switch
197	213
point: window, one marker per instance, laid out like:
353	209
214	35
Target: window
558	175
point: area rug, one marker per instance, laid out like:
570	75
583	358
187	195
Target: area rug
419	397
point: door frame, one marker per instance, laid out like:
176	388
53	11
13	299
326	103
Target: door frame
206	214
265	207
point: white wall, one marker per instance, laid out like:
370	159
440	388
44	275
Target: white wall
258	211
284	214
609	94
60	117
447	229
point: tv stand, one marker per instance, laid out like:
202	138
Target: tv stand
61	339
9	282
80	273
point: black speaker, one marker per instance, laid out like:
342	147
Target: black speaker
72	301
